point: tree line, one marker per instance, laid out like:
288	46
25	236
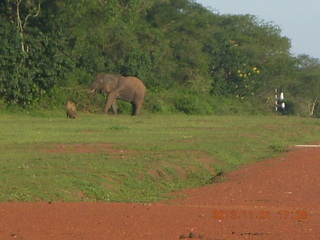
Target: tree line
186	54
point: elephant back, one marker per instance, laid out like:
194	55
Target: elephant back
137	84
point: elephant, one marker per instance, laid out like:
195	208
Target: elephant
129	89
71	110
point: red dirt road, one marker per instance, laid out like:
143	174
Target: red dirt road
274	199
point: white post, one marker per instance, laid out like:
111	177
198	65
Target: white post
283	105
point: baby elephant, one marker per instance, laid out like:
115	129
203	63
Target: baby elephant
71	110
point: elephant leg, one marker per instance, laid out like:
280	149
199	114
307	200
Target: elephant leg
137	108
111	101
114	107
134	108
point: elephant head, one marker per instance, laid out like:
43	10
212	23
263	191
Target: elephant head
130	89
105	82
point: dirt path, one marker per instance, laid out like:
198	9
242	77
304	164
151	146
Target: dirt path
274	199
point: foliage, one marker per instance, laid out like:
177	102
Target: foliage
306	92
49	47
32	63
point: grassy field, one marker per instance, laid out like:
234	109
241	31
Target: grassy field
46	157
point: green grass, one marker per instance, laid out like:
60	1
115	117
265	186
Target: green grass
147	156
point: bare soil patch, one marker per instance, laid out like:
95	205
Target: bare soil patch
274	199
89	148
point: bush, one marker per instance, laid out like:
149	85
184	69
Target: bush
199	103
190	102
158	102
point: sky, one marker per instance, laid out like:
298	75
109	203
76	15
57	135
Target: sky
298	19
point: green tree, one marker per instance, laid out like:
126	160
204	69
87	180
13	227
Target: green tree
32	63
306	88
244	54
49	45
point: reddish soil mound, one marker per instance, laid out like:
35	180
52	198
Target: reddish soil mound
274	199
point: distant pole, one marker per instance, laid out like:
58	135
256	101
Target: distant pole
283	105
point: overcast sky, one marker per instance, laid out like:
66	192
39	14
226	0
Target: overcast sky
298	19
